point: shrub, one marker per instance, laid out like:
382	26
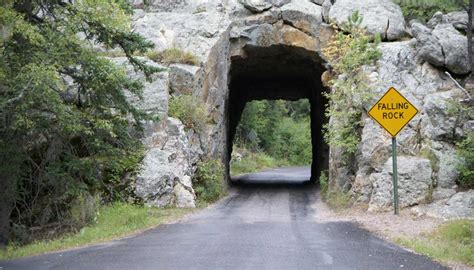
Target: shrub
173	55
190	111
347	54
323	183
208	180
254	161
423	10
84	210
292	141
466	163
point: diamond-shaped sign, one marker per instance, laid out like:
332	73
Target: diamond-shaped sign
393	111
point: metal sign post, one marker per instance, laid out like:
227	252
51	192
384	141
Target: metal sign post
393	112
395	176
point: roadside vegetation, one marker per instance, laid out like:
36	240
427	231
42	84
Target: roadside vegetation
190	110
347	54
272	133
466	162
423	10
335	198
110	222
452	242
207	181
247	161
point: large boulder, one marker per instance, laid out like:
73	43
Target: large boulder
428	45
454	46
256	6
436	121
459	205
303	15
183	79
443	46
165	178
414	183
458	19
379	16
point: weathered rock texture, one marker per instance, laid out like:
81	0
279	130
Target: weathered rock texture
379	16
254	49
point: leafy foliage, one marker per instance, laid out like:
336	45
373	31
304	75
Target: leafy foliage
253	161
466	164
66	126
208	183
423	10
463	111
347	54
323	183
190	110
281	129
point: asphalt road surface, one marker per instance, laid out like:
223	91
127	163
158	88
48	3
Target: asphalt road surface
267	222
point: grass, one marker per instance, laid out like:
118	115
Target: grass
173	55
337	200
254	162
451	242
114	221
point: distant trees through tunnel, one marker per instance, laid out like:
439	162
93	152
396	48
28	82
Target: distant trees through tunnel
278	88
272	133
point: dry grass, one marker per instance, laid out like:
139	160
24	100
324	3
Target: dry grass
173	55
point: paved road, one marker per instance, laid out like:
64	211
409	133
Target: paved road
267	222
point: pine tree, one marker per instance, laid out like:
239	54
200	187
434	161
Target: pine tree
64	116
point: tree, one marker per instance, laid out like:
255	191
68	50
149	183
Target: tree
64	116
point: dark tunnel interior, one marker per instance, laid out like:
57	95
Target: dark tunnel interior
280	72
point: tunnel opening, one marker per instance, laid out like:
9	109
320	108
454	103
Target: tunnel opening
279	72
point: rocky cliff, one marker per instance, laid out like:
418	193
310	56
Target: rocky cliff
219	33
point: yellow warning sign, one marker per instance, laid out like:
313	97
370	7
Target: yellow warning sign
393	111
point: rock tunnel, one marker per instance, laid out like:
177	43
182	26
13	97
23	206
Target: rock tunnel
280	72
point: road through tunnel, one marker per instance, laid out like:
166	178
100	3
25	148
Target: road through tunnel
280	72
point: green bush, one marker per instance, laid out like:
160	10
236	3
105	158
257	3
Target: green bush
84	209
254	161
292	141
280	129
190	111
347	54
423	10
208	180
466	164
323	183
173	55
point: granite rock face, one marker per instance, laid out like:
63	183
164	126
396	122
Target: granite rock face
379	16
458	205
414	178
217	32
442	44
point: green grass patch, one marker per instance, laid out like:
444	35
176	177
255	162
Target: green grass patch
254	162
114	221
451	242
